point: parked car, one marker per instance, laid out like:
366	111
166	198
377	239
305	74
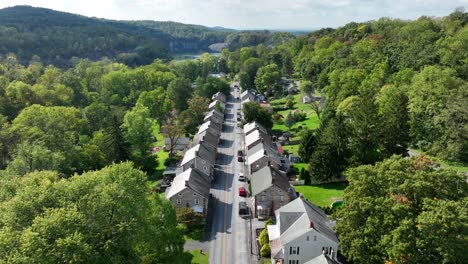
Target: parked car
241	177
240	153
240	159
239	124
243	209
242	192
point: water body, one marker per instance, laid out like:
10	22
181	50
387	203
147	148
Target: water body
192	56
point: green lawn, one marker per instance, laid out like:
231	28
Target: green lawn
292	149
193	257
311	122
324	194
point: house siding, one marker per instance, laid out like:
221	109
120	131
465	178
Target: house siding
272	201
187	199
308	249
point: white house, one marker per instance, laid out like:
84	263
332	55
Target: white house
302	232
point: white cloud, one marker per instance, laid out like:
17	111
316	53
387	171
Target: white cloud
245	14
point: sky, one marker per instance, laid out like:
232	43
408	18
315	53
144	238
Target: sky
251	14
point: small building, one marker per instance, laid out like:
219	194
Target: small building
271	190
180	145
214	116
247	94
250	127
208	137
263	155
212	127
191	189
213	104
201	157
219	96
306	99
256	137
302	233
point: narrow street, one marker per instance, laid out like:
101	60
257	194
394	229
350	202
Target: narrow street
229	233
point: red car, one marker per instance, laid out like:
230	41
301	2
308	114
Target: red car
242	192
240	159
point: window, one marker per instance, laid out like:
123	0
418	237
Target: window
293	261
292	250
282	198
298	250
263	198
180	194
179	201
315	238
194	194
307	239
197	201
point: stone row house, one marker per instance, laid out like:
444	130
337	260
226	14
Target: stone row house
191	187
303	232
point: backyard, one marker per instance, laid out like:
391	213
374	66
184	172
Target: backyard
322	195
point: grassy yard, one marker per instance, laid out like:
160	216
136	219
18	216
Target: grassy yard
193	257
311	122
324	194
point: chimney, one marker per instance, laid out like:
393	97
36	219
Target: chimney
186	183
269	163
311	224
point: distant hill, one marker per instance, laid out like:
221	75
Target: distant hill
56	37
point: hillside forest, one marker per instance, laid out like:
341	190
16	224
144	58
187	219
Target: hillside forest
76	136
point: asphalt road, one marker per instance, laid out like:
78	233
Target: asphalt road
229	236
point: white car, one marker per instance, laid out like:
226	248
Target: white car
241	177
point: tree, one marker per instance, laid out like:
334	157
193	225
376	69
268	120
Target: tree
157	102
250	68
392	103
307	145
101	216
289	121
397	212
330	156
173	131
212	85
188	217
139	133
254	112
179	91
193	116
307	88
268	79
429	126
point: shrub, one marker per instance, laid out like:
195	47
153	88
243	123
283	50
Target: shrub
268	222
299	116
263	238
188	217
265	251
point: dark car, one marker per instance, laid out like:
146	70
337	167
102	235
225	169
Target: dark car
240	159
240	153
243	209
242	192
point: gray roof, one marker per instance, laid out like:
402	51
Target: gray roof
322	259
301	213
202	150
180	141
267	177
206	136
255	136
213	125
220	96
267	149
190	179
249	127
